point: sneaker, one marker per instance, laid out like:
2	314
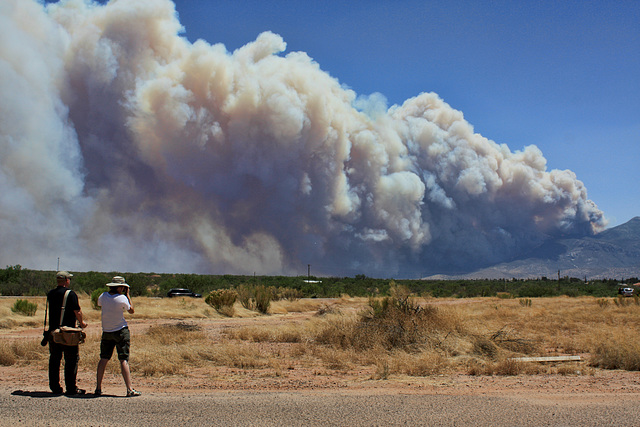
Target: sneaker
76	392
133	393
98	392
57	391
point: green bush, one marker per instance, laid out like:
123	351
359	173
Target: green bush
25	307
95	295
263	297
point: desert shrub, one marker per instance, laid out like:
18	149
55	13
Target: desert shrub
485	347
399	292
246	296
388	323
621	301
21	351
7	357
616	354
509	339
222	300
256	297
290	294
25	307
476	367
95	295
263	296
382	370
602	302
508	367
327	309
525	302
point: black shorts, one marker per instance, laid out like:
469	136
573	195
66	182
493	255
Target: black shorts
118	339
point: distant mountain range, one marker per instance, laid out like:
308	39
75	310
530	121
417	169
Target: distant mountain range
613	253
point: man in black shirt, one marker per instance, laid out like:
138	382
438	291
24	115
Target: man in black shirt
72	313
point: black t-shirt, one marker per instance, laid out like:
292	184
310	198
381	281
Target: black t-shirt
55	297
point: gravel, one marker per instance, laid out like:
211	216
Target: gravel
310	409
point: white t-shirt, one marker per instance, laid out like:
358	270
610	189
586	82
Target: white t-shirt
113	308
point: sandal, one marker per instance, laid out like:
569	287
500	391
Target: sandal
133	393
98	392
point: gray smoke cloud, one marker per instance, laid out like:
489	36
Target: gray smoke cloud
125	147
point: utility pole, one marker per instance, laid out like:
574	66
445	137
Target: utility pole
308	271
58	269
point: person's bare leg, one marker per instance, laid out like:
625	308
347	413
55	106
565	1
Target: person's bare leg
102	365
126	374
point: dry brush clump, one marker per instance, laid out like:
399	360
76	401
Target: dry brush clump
222	300
256	297
616	351
286	333
22	351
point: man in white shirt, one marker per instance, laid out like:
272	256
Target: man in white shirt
115	332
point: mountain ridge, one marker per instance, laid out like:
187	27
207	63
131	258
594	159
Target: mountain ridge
612	253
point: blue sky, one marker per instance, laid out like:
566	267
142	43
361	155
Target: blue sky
560	75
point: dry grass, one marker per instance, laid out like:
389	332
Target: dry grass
172	308
478	337
22	351
10	319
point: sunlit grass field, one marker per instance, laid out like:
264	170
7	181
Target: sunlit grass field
416	337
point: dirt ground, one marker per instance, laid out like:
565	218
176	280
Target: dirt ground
595	384
299	394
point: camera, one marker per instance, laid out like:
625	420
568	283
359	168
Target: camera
45	338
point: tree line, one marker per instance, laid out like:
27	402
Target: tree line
18	281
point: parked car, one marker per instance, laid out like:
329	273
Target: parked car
182	292
625	292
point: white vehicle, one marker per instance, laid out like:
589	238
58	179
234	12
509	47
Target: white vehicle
625	292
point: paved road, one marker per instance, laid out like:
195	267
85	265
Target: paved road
308	409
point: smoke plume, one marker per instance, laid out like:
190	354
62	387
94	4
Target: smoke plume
125	147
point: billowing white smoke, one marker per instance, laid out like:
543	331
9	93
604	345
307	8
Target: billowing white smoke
125	147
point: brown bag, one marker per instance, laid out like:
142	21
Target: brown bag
66	335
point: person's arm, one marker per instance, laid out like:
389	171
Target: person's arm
126	293
74	303
78	314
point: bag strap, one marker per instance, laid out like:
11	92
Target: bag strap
64	303
46	306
